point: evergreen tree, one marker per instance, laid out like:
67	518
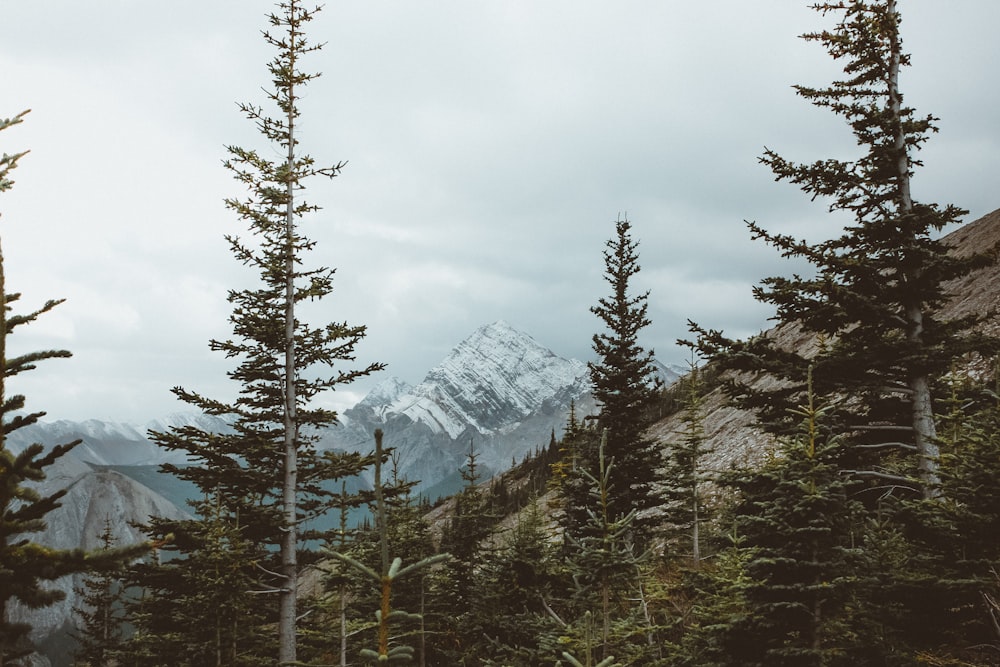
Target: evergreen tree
405	532
266	471
387	578
454	584
684	476
100	612
876	290
605	563
512	585
193	602
934	572
719	601
624	384
799	515
565	462
26	565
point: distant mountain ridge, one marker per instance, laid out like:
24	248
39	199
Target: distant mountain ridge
499	391
495	376
113	443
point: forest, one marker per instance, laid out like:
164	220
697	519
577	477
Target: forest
867	533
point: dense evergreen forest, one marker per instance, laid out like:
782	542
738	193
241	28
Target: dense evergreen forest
868	535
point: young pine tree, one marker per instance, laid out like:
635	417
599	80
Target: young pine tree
684	476
25	565
799	516
877	287
387	579
100	612
455	583
267	472
513	584
605	562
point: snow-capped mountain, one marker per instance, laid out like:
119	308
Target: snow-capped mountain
112	443
499	391
492	379
668	374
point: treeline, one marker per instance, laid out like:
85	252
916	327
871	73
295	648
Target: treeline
791	563
868	536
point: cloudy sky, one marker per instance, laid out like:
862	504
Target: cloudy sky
490	147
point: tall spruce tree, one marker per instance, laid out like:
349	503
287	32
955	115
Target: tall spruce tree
624	383
26	565
267	471
876	290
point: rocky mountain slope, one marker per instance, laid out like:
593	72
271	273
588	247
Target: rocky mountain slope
94	496
499	390
730	432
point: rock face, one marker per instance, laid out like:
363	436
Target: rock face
498	390
93	497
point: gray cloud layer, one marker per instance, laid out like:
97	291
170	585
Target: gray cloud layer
490	148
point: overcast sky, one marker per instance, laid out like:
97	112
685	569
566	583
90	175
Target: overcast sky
490	147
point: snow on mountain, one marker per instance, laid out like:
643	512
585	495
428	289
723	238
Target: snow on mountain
668	373
499	390
495	376
209	423
385	393
113	443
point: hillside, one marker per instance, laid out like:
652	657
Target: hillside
729	430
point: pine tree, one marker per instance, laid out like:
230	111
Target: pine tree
267	472
799	516
387	578
193	601
719	601
26	565
933	573
605	560
684	476
405	532
512	585
100	611
624	384
463	539
877	288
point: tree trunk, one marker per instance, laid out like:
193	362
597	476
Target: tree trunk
921	403
289	561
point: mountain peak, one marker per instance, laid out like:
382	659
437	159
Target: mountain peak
497	375
499	388
385	392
